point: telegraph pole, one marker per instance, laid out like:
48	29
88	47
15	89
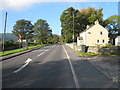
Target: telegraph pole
73	30
4	32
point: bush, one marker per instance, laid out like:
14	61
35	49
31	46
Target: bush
108	45
9	45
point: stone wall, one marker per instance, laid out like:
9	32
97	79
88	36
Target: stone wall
115	49
101	50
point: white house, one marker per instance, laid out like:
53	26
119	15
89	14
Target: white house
92	36
117	40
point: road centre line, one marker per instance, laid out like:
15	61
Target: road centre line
46	49
41	54
28	61
72	69
44	52
41	50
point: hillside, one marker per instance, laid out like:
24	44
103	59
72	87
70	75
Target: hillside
8	36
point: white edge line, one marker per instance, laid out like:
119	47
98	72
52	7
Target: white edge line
72	69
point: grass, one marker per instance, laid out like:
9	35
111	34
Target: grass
18	50
97	54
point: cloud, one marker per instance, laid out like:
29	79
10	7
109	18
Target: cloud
17	4
24	4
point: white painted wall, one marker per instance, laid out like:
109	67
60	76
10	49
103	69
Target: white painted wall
117	40
83	35
78	41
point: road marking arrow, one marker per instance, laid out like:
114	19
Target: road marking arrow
28	60
26	63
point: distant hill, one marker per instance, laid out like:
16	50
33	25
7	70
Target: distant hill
8	36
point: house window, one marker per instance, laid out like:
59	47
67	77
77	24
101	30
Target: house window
101	33
97	41
89	32
103	41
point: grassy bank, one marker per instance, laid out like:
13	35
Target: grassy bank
96	54
20	49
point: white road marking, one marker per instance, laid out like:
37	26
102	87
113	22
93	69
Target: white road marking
46	49
26	63
29	60
53	46
72	69
41	50
40	54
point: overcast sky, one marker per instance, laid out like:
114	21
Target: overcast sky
48	10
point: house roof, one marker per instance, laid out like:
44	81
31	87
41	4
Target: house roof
118	36
96	22
87	29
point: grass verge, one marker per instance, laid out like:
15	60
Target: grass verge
20	49
97	54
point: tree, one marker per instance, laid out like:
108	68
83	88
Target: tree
90	15
55	38
42	31
113	26
82	18
22	27
67	24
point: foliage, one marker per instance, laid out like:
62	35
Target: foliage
67	24
90	15
108	45
42	31
113	26
97	54
9	45
81	18
55	38
18	50
23	27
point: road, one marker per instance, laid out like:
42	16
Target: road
53	66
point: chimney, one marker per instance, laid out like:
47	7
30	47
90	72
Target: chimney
96	22
87	26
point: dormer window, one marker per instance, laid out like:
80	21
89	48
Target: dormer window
101	33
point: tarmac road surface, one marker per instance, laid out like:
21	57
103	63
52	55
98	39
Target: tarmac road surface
53	66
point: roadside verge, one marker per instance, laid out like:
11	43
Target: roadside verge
108	65
5	57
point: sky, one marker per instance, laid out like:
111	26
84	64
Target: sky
49	11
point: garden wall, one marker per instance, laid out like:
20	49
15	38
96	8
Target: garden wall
115	49
101	50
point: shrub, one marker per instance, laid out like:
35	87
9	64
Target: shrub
108	45
9	45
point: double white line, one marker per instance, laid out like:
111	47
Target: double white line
72	70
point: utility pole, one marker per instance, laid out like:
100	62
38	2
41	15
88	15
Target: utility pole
66	12
4	32
73	30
